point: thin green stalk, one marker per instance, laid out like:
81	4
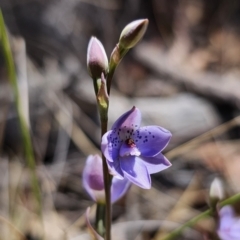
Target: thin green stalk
107	187
231	200
105	215
110	76
23	125
115	59
175	233
100	218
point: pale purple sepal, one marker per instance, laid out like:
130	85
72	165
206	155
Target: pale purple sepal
119	188
151	140
157	163
92	178
136	171
229	224
129	120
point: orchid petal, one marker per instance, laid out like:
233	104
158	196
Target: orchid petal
156	164
127	123
135	170
115	169
119	188
110	146
229	225
235	230
151	140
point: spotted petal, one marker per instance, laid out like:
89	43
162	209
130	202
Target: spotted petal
127	123
151	140
135	170
110	145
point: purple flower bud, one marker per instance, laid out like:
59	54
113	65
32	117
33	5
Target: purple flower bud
133	33
94	184
97	61
93	178
229	224
134	152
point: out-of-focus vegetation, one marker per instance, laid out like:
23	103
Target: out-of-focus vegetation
184	76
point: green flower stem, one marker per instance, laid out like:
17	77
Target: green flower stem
229	201
175	233
96	85
23	125
115	59
107	187
100	218
112	68
104	213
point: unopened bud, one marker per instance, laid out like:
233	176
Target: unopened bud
216	189
93	178
133	33
216	193
93	182
97	61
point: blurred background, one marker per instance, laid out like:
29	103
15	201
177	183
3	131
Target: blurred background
184	75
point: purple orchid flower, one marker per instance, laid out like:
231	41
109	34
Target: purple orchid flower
229	224
134	152
94	184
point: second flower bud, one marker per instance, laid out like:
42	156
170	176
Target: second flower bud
97	61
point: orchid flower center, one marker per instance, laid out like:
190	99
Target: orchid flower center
130	143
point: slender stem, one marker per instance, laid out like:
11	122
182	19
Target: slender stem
23	124
110	76
100	218
231	200
103	218
107	187
116	57
188	224
175	233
